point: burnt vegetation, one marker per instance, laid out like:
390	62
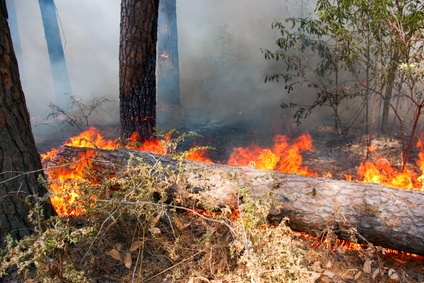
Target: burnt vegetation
135	224
144	228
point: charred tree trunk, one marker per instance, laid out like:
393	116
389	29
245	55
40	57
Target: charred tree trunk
388	217
137	60
20	163
59	69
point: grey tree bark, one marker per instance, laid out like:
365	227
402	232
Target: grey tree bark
168	60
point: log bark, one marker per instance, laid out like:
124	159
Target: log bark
388	217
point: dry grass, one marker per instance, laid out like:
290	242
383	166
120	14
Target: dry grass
135	233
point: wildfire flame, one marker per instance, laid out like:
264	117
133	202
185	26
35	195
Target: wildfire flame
382	172
66	178
92	139
65	183
283	156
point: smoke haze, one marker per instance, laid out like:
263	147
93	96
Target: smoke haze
221	67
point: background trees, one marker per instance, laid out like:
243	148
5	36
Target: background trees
58	66
351	55
137	68
19	160
168	60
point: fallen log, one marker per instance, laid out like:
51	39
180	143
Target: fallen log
388	217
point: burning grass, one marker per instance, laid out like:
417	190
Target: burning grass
135	232
284	156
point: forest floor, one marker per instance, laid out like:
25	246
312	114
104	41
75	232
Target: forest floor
134	245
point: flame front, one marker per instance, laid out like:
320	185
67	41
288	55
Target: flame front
382	172
92	139
282	157
67	178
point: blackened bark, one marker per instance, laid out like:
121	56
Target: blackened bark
137	60
20	163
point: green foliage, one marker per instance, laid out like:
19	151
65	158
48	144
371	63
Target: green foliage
301	40
349	52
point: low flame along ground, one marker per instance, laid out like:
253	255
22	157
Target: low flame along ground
284	156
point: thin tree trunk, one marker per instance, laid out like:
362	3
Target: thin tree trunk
137	60
168	69
407	150
168	61
389	85
20	163
59	69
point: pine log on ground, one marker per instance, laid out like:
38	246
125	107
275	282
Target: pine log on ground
388	217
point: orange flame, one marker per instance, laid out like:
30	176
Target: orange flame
92	138
283	157
198	155
65	180
382	172
154	145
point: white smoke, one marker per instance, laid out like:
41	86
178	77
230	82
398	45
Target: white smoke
222	68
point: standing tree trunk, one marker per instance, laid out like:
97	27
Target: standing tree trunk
59	69
137	68
20	163
168	62
168	68
389	85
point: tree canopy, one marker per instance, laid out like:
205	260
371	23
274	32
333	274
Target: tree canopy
355	51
